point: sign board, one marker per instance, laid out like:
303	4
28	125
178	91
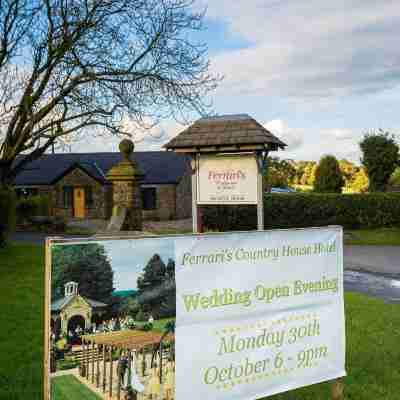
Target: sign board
227	179
265	308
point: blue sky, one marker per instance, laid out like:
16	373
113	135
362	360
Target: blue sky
129	257
317	73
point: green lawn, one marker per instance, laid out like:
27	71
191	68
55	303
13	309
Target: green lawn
160	324
373	337
383	236
68	387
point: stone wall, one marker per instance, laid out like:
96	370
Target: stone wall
173	201
166	203
184	196
100	209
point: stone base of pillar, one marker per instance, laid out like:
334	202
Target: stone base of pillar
127	195
133	220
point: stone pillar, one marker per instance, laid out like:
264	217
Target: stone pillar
125	178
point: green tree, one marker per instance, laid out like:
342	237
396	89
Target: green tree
129	306
328	177
349	171
154	274
308	176
157	287
86	264
380	157
280	173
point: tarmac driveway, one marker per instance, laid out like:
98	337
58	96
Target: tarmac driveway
375	259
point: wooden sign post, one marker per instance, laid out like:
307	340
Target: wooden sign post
229	138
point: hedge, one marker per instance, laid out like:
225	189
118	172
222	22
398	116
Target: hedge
361	210
7	209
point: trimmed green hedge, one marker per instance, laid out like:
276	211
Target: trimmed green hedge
7	209
364	210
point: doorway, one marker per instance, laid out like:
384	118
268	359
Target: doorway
79	202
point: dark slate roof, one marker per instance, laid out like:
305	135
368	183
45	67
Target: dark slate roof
233	130
58	305
159	167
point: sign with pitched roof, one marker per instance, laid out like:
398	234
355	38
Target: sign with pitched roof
227	179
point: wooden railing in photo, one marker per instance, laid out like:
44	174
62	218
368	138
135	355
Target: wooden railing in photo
101	351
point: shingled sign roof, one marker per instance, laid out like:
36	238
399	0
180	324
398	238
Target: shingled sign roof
225	133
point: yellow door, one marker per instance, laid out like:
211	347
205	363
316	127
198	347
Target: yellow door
79	203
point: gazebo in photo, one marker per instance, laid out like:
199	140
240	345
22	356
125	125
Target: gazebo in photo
149	370
73	311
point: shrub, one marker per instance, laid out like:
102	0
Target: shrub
369	210
141	316
328	176
33	206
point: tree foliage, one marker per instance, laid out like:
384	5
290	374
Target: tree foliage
360	182
129	306
110	65
279	173
328	176
86	264
157	287
395	178
380	157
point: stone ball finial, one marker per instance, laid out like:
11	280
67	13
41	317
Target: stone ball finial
126	147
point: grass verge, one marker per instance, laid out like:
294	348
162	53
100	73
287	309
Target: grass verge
68	387
377	237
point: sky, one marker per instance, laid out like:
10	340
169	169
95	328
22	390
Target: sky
318	74
129	257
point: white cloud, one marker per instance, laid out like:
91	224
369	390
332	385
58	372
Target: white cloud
340	134
292	137
310	49
312	144
150	139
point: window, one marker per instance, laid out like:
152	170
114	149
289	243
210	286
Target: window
67	196
88	197
149	196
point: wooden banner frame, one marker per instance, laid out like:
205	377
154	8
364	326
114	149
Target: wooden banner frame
337	386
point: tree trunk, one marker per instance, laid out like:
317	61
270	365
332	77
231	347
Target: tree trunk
6	177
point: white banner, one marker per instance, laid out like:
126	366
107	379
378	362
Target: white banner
258	313
227	179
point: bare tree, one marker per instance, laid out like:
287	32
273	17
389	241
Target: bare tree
69	66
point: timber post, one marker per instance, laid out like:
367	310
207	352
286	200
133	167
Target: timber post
111	372
93	354
97	367
104	368
337	390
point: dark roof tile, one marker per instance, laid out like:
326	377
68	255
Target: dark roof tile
159	167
